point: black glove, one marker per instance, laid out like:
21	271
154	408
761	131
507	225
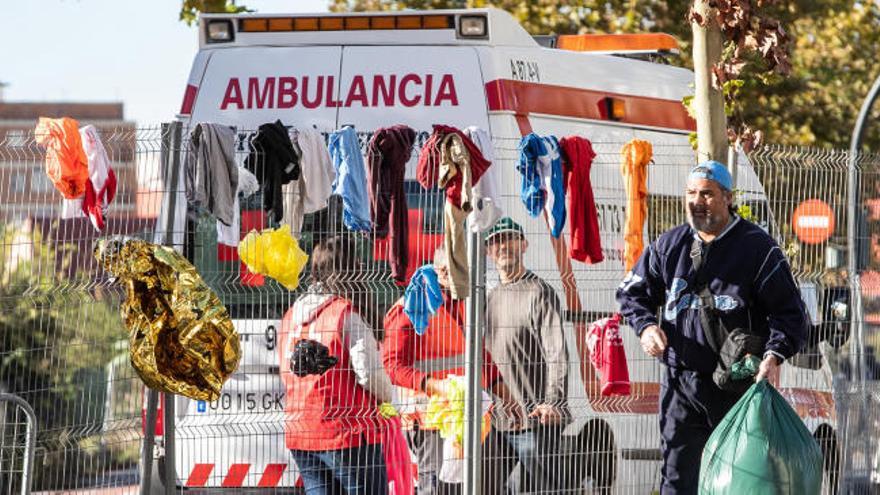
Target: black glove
310	357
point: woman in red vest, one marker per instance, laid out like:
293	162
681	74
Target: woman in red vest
332	427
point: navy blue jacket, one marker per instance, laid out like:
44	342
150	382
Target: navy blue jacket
748	276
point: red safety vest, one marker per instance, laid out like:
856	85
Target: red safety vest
440	352
330	411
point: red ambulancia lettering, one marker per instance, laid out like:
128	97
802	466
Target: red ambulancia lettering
379	90
287	92
317	101
260	99
357	92
233	94
446	91
407	101
379	84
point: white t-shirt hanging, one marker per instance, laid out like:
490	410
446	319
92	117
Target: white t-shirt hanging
487	203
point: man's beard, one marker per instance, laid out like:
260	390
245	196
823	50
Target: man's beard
705	222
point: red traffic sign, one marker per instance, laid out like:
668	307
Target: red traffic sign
813	221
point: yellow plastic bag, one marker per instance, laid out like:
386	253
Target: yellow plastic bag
274	253
447	412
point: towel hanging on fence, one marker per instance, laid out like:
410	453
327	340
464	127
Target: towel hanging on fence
387	154
422	297
583	220
351	179
450	160
101	185
542	179
311	192
635	155
181	338
210	173
66	163
275	161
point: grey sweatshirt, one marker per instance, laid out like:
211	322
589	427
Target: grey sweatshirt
524	336
210	173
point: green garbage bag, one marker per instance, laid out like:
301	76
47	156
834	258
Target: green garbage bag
761	447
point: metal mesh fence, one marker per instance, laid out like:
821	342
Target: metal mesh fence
64	349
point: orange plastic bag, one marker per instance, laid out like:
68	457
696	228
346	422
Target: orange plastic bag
66	162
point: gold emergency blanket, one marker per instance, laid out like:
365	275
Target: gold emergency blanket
180	335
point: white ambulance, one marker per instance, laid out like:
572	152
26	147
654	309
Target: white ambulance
461	68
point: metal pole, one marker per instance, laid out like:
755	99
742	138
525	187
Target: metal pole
170	155
474	366
168	411
732	159
149	442
30	446
858	346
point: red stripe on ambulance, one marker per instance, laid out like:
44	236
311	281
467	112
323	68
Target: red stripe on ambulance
525	98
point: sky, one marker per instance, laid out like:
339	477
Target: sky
106	51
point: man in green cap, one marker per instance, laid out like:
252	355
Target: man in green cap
524	336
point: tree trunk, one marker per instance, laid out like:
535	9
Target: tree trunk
708	102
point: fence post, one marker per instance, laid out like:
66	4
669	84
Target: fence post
168	410
170	160
30	445
474	365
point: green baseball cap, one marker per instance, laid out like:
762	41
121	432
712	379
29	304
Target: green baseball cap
503	226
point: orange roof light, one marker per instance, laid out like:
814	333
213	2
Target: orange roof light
648	42
345	23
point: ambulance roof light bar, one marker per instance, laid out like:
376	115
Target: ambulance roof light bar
615	43
466	26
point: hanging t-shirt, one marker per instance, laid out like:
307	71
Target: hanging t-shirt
389	150
583	220
487	202
351	179
311	192
542	184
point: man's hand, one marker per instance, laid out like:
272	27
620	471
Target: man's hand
653	341
435	387
511	407
547	414
769	370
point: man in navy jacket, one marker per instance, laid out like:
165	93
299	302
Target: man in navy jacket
753	289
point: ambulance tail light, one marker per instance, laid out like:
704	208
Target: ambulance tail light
473	26
612	108
219	31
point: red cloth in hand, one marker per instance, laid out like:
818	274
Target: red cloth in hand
608	355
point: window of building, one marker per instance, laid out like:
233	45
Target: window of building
40	182
17	182
15	138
